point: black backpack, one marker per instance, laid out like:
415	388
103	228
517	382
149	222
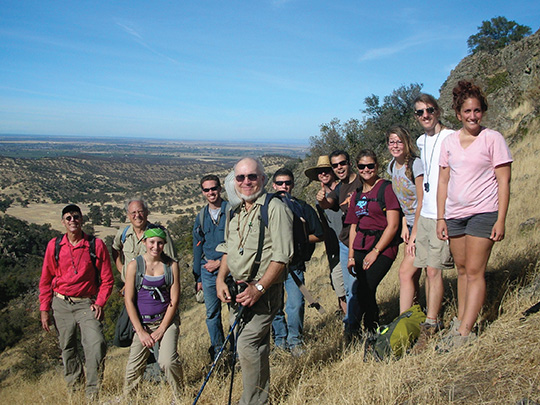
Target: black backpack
303	249
382	203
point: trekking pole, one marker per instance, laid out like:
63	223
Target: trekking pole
218	356
233	363
532	310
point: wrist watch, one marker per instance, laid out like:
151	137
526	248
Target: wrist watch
260	288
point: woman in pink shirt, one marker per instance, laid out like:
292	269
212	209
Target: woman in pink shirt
472	202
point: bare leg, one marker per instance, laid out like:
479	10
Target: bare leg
434	292
457	247
409	277
477	254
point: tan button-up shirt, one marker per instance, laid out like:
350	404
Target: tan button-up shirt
242	238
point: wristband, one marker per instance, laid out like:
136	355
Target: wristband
440	219
376	250
351	259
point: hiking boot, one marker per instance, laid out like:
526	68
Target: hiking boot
427	332
453	341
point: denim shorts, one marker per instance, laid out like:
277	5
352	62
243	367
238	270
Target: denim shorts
479	225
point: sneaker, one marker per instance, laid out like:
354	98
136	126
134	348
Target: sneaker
454	324
427	332
453	341
297	350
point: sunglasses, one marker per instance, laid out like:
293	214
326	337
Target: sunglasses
72	217
135	213
207	190
323	170
342	163
282	182
251	177
429	110
370	166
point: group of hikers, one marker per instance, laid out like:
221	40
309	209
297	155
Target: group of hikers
446	202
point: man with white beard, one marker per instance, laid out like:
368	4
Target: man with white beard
260	293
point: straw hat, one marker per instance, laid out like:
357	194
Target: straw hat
322	162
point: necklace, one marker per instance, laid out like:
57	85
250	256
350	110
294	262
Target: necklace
151	266
75	267
371	188
428	169
242	234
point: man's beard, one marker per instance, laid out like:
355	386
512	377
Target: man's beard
249	198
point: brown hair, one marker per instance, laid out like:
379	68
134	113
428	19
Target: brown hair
367	153
464	90
428	99
409	148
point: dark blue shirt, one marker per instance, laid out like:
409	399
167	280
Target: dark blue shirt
207	237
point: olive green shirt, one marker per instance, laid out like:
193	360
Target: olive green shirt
133	247
242	239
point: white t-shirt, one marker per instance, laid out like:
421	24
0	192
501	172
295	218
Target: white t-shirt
430	150
473	187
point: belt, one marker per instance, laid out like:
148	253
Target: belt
152	318
69	299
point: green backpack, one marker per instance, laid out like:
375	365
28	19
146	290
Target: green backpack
397	337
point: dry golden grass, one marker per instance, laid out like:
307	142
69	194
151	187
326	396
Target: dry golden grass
501	367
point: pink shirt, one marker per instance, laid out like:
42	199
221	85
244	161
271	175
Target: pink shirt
473	188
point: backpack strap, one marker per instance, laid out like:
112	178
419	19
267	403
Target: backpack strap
380	194
139	274
57	248
141	271
91	251
124	234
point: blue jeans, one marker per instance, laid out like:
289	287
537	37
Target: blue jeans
348	279
213	308
289	333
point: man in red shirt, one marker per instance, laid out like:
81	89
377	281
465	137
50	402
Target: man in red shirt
76	287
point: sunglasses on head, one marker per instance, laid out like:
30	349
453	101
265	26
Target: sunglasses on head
429	110
282	182
206	190
342	163
74	217
251	177
370	166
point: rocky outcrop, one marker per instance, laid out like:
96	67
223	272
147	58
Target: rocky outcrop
510	78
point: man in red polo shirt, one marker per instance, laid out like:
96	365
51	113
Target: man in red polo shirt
76	287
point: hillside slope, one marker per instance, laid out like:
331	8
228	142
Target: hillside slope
510	77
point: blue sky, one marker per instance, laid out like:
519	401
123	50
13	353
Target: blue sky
263	70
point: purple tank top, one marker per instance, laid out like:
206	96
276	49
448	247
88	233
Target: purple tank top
153	298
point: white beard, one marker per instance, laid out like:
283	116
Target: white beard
249	198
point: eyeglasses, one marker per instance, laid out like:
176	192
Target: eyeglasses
72	217
342	163
251	177
429	110
370	166
398	142
286	182
135	213
207	190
